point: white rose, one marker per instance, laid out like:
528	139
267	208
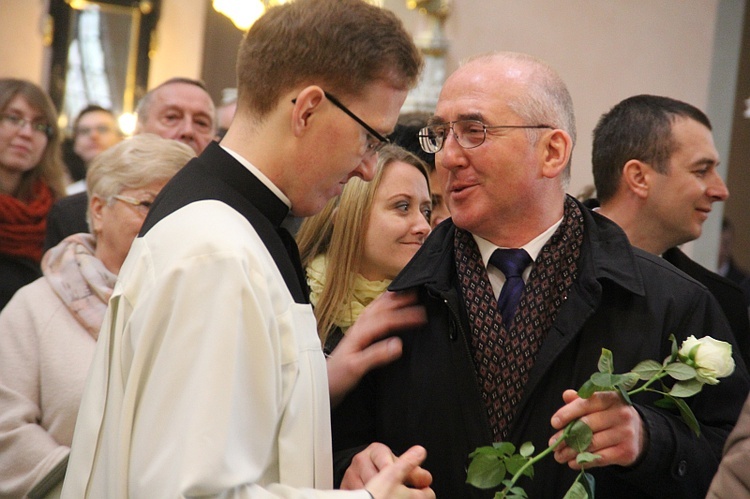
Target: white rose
712	358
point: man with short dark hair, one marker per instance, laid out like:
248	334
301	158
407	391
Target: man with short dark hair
209	378
523	288
656	175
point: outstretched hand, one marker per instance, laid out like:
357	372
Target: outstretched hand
619	433
367	343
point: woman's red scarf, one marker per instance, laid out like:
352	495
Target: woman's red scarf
22	225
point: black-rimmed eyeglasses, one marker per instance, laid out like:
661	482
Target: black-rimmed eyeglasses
375	141
468	133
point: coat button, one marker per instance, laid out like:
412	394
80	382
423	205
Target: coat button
682	468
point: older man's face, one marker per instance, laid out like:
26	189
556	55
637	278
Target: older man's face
491	187
183	112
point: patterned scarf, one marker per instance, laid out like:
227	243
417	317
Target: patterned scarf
80	280
22	225
504	356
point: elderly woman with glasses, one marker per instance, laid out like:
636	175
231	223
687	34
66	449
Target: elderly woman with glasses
49	329
31	179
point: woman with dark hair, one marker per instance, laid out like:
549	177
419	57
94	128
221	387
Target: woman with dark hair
31	179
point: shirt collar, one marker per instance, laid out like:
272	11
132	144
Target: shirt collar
260	176
533	247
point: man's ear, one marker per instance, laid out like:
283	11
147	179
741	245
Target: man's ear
557	148
306	105
96	205
637	175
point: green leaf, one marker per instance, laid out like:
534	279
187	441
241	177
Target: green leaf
514	463
487	451
629	380
684	389
579	437
485	472
680	371
688	416
666	403
504	448
513	492
675	348
527	449
576	491
606	362
604	380
587	389
624	395
647	369
587	457
587	479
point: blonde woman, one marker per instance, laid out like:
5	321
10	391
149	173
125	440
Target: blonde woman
48	331
362	239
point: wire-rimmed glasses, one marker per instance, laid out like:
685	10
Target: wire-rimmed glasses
468	133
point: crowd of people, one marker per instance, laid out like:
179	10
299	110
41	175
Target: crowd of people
310	291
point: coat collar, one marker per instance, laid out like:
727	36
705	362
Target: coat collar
608	256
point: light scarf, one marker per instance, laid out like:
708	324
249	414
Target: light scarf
363	293
80	280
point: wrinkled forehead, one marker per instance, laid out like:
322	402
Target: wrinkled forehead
184	96
476	91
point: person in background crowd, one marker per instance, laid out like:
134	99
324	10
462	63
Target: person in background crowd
523	288
179	109
209	378
655	171
354	248
406	136
49	329
94	130
31	179
727	266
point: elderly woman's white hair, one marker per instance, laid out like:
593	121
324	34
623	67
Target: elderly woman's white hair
134	163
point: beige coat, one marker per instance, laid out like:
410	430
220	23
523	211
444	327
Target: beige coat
44	358
732	480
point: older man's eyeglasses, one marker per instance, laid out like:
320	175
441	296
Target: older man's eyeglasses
468	133
141	206
375	141
17	123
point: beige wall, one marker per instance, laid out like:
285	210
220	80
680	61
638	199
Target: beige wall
606	50
179	40
21	29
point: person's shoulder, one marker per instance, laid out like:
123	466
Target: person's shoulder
35	302
73	201
205	227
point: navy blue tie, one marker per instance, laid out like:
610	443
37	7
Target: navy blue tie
512	263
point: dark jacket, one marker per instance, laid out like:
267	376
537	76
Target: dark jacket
67	217
730	296
624	299
15	272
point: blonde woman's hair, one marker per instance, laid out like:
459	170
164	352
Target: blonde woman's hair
339	230
134	163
